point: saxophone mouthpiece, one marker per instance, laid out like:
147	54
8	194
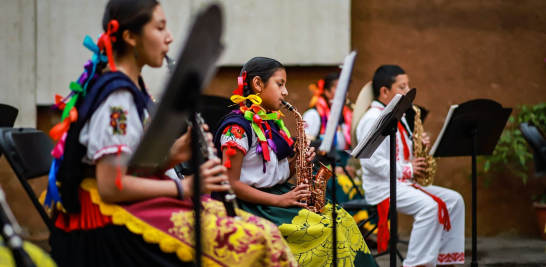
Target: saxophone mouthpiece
287	105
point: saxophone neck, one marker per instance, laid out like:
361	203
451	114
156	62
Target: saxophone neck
291	108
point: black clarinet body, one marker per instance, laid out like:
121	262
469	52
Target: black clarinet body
207	149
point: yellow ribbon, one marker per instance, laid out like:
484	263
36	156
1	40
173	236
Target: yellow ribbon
253	98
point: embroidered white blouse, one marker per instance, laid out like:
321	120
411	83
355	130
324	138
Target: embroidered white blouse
114	125
376	169
252	173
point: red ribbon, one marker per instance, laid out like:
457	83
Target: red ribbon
320	85
403	133
443	214
105	42
118	169
241	81
383	233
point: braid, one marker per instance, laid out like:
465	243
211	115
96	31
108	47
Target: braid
262	67
247	92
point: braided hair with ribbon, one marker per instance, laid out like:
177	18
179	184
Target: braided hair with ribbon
119	16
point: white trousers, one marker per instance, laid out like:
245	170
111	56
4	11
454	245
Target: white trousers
430	244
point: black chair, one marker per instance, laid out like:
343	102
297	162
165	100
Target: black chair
536	139
28	151
7	115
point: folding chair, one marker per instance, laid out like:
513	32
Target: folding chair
7	115
28	151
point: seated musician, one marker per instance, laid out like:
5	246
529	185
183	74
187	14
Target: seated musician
255	147
437	237
111	216
316	118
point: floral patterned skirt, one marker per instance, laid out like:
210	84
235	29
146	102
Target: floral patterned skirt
309	234
112	235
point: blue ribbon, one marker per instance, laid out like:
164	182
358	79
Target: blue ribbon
52	194
96	59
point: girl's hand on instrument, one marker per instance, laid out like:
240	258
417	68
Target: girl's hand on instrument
293	197
181	149
426	140
419	166
311	153
213	173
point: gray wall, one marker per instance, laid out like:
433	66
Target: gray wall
42	47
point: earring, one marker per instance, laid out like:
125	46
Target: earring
136	53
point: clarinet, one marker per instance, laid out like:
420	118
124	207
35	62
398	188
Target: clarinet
207	149
10	231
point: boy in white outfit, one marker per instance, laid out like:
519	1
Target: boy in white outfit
437	237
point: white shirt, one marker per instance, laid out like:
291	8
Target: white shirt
277	171
103	134
376	169
313	124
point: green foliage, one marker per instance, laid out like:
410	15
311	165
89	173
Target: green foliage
512	153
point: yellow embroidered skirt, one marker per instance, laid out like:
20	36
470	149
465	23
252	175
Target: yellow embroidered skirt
159	232
309	234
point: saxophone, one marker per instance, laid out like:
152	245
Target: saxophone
304	168
421	152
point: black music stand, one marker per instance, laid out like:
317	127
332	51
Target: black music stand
327	149
195	68
473	129
388	127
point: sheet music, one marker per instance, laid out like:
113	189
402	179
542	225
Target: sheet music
439	139
338	103
384	114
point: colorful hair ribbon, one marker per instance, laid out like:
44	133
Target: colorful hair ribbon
95	60
238	99
317	91
105	42
241	82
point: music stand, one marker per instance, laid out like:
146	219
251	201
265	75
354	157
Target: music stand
388	127
472	128
326	147
195	68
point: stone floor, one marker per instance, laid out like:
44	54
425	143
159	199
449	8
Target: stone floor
496	252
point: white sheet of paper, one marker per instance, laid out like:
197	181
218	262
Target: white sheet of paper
338	103
439	139
388	109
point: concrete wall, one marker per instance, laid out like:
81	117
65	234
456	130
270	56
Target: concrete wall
17	58
291	30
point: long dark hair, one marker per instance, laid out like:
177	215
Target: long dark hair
330	79
131	15
262	67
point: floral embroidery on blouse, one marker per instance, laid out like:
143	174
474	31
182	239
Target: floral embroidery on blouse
118	120
234	131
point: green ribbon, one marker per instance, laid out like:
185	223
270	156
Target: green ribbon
77	88
280	123
249	115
